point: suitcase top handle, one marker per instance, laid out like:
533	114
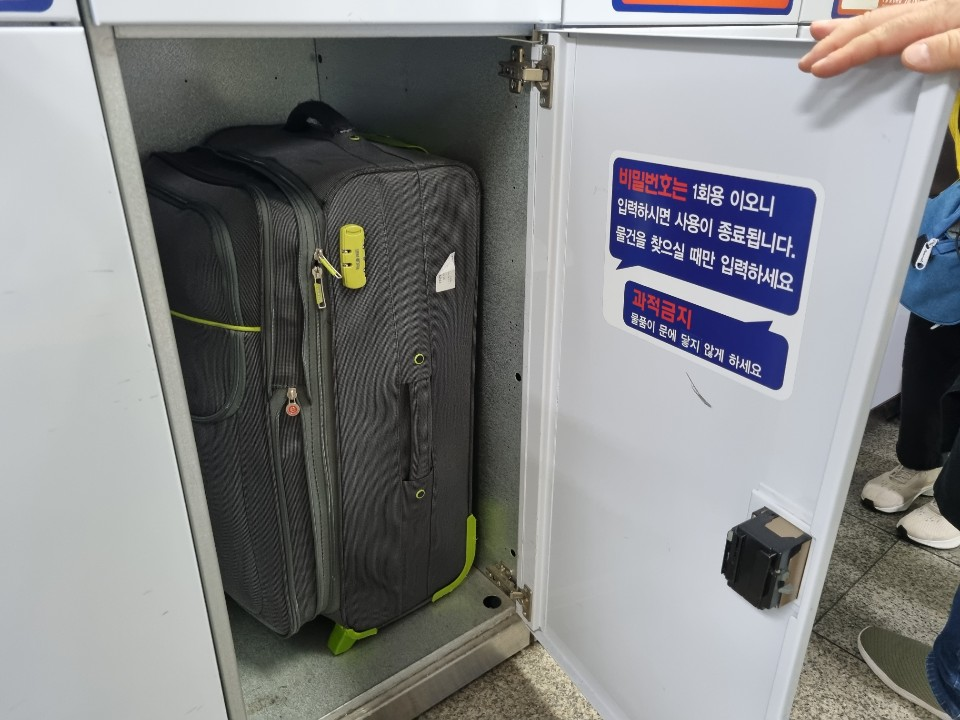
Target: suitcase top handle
317	113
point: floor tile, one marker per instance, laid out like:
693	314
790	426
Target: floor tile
909	590
859	546
952	556
529	686
835	685
877	455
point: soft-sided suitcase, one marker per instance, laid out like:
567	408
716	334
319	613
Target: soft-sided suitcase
323	289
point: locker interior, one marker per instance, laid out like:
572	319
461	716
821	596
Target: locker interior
443	94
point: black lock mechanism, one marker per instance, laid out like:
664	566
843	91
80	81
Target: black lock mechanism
764	559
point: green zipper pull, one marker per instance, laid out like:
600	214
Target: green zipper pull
318	287
321	259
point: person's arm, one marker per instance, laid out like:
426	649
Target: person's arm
926	35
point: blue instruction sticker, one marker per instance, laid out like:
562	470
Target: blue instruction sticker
25	5
712	263
744	237
747	349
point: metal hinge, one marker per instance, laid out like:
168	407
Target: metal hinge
503	578
521	70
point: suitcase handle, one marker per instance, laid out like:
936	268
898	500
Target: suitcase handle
421	429
321	114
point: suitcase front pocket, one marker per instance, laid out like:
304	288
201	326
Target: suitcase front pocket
200	273
214	369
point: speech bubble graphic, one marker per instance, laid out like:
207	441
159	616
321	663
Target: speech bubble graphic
744	237
748	349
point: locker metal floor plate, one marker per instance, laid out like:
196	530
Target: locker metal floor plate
298	678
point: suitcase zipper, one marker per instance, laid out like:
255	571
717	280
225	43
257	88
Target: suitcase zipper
320	263
293	406
281	405
318	341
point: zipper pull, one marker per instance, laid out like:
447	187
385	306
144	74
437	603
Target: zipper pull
924	257
321	259
318	287
293	407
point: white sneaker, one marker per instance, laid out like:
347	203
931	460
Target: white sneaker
895	491
927	526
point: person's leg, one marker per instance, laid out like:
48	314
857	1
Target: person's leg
943	663
931	362
946	491
929	677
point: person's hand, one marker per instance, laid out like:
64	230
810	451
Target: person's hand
926	35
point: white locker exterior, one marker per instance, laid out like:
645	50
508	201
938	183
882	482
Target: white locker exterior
103	613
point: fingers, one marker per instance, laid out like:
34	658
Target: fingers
834	34
867	29
934	54
822	28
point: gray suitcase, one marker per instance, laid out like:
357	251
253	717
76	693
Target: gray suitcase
324	294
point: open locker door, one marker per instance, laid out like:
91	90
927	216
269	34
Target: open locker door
718	243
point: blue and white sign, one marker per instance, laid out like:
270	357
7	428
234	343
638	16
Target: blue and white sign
731	247
25	5
748	349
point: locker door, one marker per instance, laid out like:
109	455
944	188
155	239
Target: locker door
102	613
671	392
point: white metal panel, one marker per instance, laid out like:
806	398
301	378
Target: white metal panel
355	14
103	615
646	478
680	12
888	382
39	11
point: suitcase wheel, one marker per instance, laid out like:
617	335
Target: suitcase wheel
342	638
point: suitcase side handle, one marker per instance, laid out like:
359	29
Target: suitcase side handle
315	112
421	428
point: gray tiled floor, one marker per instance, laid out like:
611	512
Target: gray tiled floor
874	579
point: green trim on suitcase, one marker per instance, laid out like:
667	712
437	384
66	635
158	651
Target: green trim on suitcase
212	323
471	554
343	638
390	142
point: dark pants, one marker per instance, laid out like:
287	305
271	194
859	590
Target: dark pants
931	364
928	425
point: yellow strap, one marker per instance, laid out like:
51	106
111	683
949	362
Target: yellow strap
955	129
211	323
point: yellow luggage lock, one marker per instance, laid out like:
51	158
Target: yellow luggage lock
353	259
